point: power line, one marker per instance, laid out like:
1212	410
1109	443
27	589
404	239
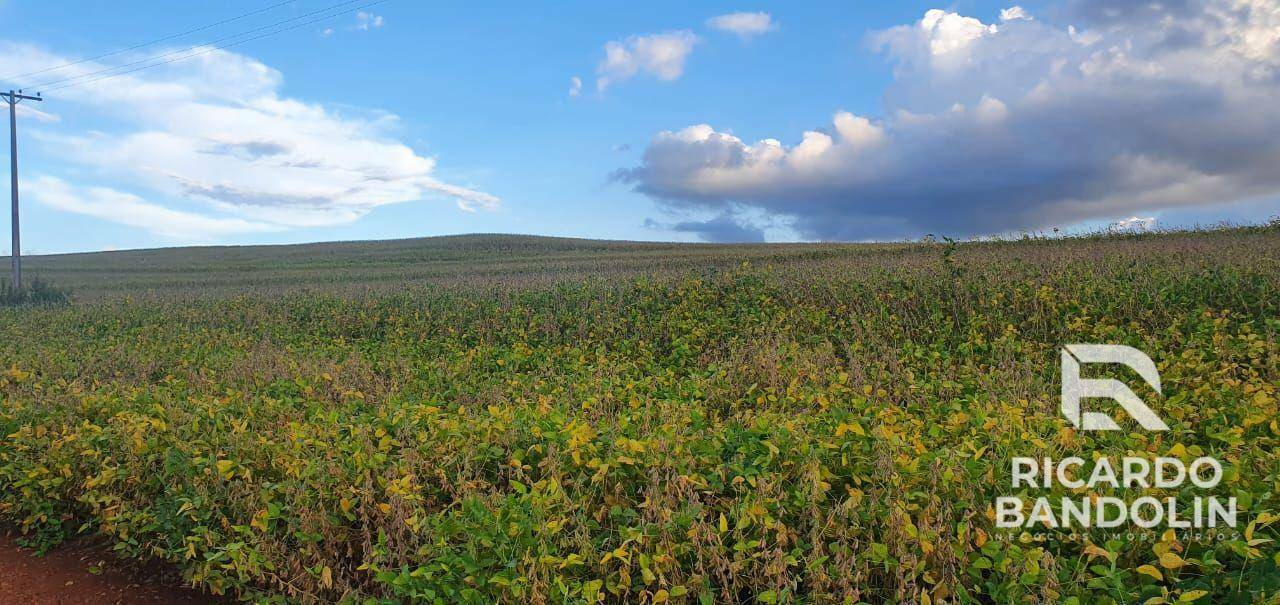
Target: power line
204	48
205	51
150	43
60	82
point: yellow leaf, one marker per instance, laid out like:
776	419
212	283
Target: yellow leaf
226	468
591	590
724	524
850	427
1094	550
384	507
661	596
259	521
1171	560
1150	570
326	577
1192	595
345	504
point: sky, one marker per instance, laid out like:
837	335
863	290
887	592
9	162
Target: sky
708	121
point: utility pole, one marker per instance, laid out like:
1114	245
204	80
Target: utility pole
15	256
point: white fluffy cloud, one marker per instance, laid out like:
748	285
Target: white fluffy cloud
948	33
1132	107
659	55
743	25
215	129
1014	13
575	86
129	209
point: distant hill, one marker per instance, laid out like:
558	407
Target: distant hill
478	258
496	259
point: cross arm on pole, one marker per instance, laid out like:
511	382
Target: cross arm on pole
14	97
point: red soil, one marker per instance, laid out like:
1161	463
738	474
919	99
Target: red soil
64	577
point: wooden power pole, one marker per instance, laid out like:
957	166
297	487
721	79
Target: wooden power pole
15	256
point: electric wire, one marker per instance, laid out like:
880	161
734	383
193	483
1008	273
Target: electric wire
206	48
113	53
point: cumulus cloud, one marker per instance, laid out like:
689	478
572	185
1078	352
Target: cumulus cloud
744	25
1134	107
945	33
659	55
216	130
575	86
128	209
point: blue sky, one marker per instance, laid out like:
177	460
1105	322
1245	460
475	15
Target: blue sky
461	118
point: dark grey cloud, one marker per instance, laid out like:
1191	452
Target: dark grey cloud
1015	125
1110	12
724	228
234	196
250	150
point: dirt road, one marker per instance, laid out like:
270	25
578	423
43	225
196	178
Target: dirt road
81	573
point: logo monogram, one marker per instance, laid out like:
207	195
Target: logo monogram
1075	388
